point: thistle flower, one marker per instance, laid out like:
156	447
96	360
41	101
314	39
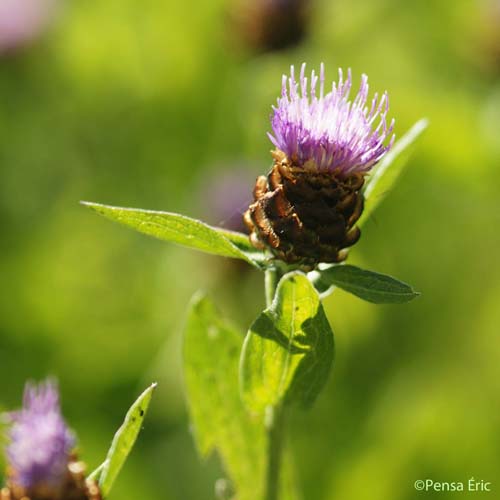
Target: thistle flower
41	463
305	210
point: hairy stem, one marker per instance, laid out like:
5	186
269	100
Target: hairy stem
275	429
274	414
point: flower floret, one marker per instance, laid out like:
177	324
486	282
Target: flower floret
40	443
329	131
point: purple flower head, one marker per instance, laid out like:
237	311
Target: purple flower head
40	442
21	21
329	131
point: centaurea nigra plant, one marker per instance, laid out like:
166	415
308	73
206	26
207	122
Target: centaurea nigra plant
41	450
334	159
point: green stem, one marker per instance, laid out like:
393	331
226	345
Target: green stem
275	429
271	279
274	418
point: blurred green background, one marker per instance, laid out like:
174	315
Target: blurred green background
147	104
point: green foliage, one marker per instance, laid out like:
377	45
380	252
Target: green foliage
211	354
142	127
367	285
288	351
123	441
385	174
182	230
240	240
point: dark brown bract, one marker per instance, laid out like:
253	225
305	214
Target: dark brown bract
304	215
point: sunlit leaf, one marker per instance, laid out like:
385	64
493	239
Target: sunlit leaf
124	440
288	351
220	421
182	230
240	240
367	285
385	174
211	355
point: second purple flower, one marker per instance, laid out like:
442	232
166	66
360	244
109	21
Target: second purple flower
40	452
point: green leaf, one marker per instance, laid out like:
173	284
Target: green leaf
367	285
239	240
211	355
385	174
96	473
288	351
124	440
182	230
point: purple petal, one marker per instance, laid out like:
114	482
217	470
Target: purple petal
40	443
336	133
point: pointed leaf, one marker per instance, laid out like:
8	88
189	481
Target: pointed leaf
385	174
124	440
239	240
96	473
367	285
211	355
182	230
288	351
